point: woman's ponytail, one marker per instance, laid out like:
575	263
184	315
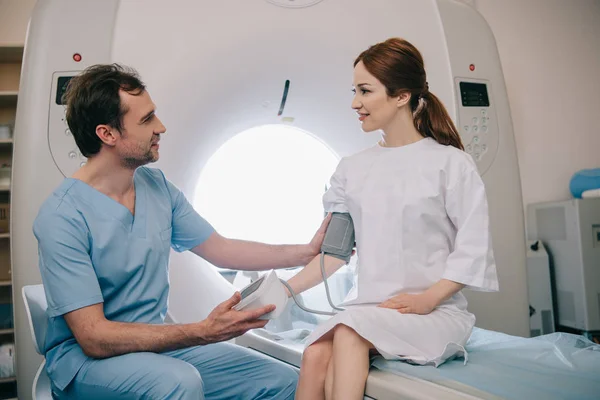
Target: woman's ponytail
432	120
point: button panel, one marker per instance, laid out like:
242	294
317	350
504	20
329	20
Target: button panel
479	127
477	130
63	148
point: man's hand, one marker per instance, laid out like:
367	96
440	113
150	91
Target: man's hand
411	303
314	247
225	323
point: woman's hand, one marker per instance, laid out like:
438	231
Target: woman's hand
425	302
411	303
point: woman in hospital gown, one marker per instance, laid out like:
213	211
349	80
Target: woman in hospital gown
422	233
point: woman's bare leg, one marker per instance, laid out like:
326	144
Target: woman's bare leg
315	360
350	364
329	382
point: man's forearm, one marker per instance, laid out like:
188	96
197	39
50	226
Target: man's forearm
116	338
254	256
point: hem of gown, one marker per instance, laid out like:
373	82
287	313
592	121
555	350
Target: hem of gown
456	350
417	360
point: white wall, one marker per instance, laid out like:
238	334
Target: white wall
14	17
550	54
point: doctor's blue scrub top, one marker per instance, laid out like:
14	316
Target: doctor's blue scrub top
93	250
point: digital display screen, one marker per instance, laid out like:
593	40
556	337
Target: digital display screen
61	88
474	94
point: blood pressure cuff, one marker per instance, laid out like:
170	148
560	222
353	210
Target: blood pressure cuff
339	238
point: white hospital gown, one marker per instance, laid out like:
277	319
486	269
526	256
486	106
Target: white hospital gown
420	215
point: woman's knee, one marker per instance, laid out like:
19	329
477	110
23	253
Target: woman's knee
317	356
344	333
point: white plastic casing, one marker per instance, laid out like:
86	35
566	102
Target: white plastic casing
271	291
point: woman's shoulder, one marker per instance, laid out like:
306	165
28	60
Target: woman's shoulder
451	156
427	154
358	157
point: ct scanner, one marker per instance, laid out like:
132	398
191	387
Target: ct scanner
217	68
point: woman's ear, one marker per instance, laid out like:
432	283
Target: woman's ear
403	99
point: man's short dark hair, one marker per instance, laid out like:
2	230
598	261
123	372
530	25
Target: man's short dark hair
92	99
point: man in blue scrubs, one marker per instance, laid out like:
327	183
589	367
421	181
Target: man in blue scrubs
104	237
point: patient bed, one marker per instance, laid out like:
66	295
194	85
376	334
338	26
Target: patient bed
556	366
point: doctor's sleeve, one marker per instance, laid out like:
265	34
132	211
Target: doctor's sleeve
189	228
334	199
69	278
472	260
